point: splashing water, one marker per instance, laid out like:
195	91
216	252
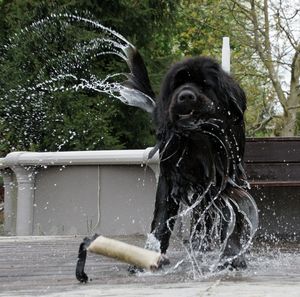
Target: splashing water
205	246
63	73
46	66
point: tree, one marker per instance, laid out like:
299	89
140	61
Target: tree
271	30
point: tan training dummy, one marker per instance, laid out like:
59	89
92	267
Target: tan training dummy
136	256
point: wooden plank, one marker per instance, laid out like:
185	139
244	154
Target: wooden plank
257	183
273	172
38	266
268	150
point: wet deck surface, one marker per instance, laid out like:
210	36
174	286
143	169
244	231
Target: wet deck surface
45	266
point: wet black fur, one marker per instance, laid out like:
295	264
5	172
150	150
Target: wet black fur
199	120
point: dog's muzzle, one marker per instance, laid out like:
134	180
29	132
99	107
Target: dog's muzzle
189	103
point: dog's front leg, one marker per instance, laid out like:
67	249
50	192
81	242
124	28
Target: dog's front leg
165	209
163	223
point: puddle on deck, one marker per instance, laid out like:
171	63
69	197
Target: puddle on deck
37	266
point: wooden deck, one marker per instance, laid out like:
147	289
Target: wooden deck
45	266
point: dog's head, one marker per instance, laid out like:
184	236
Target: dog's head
201	108
198	89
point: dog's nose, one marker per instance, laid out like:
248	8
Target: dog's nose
186	96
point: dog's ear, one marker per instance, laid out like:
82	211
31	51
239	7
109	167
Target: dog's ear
234	95
137	88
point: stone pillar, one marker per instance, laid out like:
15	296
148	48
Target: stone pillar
25	198
9	211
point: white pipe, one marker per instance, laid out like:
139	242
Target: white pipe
8	201
226	54
25	179
109	157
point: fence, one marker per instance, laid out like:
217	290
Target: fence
113	192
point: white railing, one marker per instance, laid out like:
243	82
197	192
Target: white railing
112	157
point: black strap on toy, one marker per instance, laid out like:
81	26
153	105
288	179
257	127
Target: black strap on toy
80	274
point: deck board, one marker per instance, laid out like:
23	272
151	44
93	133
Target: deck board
38	266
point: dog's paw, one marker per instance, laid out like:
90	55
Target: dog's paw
239	263
132	269
236	264
164	260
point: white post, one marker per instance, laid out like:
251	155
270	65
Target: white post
8	201
226	55
25	180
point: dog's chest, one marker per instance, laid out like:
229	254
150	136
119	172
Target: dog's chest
193	164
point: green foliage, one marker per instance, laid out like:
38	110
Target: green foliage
68	120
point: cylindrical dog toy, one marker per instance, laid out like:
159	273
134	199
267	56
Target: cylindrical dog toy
139	257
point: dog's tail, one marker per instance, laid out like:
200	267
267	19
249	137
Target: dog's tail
137	88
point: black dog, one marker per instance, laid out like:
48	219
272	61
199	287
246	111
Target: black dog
201	138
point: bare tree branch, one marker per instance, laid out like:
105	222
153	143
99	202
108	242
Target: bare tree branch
263	123
265	54
286	30
294	107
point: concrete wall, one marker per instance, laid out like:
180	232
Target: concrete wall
112	200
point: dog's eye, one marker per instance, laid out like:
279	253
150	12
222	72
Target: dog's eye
206	84
181	77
